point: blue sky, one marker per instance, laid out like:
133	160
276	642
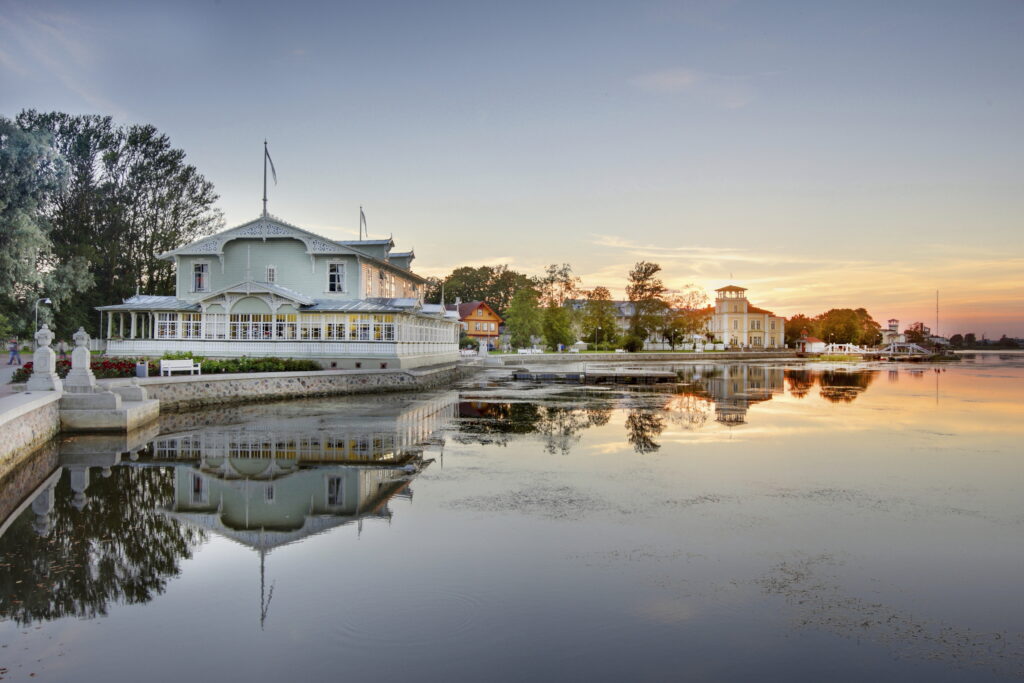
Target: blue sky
820	153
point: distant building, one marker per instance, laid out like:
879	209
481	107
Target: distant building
892	335
732	319
808	344
738	323
480	321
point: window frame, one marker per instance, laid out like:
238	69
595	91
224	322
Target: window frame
206	276
343	267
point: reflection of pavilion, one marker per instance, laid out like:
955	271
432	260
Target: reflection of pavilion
735	387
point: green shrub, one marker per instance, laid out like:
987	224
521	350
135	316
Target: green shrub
632	343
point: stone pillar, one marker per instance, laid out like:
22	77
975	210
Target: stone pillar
81	380
110	325
44	364
133	326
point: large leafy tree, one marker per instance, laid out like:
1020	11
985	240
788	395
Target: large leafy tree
126	196
33	174
557	285
494	284
598	321
645	290
684	315
795	326
557	326
523	318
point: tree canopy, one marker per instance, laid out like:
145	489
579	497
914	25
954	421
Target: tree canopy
645	291
85	207
495	285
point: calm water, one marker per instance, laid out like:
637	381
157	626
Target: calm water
768	522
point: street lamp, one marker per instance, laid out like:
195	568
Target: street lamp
44	300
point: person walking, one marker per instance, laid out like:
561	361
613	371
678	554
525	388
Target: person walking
62	349
13	347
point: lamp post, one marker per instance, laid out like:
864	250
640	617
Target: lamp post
44	300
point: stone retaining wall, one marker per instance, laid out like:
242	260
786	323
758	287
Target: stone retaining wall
187	391
27	421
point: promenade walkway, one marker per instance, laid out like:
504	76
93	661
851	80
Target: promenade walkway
5	378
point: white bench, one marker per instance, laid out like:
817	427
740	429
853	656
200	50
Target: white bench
186	364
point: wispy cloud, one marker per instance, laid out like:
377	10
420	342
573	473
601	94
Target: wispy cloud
61	47
719	90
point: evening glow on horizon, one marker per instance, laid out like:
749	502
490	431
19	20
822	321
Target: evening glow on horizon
820	154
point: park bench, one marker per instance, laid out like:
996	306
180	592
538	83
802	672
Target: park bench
186	364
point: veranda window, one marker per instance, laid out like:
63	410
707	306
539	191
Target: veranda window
216	326
286	326
251	326
383	328
361	327
335	327
166	325
191	325
310	327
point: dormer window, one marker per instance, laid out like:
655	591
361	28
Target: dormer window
336	277
200	277
271	274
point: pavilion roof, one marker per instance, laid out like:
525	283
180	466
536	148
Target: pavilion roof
148	302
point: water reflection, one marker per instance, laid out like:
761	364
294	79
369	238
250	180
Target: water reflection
116	518
726	391
81	543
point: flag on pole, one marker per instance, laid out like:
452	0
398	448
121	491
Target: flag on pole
273	171
362	224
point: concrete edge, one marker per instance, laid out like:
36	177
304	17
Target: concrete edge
13	407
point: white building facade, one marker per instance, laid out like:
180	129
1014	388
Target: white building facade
738	323
271	289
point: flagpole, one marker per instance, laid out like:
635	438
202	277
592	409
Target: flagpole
264	177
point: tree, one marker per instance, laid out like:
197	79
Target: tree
848	326
684	315
557	327
494	284
129	196
957	340
795	327
970	339
599	316
917	333
32	175
645	291
523	318
557	284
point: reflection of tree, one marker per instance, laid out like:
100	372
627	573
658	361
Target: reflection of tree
642	428
844	386
118	548
800	382
558	425
689	411
837	386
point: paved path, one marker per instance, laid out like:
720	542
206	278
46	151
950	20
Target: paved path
5	377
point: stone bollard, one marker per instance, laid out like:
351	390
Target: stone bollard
44	364
80	380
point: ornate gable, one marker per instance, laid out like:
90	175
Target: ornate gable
265	227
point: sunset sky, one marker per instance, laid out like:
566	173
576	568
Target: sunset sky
822	154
